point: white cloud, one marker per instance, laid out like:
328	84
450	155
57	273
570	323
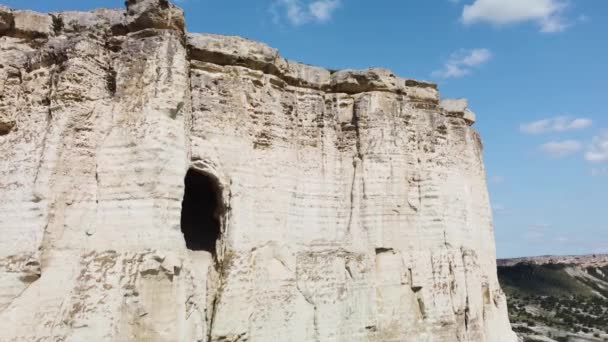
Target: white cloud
548	14
323	10
598	150
293	11
462	62
561	149
556	124
299	13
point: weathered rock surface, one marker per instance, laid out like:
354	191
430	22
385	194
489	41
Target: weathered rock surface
346	206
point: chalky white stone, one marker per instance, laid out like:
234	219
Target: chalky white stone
352	205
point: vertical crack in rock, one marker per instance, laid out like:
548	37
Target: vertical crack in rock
466	286
214	308
452	286
466	314
446	244
49	121
174	112
58	58
349	272
356	122
111	80
221	265
314	308
315	323
357	166
421	307
415	288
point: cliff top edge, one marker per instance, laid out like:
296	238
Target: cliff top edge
205	48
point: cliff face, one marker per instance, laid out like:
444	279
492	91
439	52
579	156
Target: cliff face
157	185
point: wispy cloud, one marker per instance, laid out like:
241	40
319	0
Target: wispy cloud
301	12
323	10
462	62
540	226
555	124
548	14
598	150
561	149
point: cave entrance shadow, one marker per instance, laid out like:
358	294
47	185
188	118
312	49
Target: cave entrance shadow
202	212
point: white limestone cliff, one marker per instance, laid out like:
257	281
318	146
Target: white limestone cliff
338	206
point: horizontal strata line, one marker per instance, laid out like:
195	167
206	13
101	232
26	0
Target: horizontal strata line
142	153
328	89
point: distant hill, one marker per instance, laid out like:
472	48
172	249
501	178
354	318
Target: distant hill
555	279
579	260
557	298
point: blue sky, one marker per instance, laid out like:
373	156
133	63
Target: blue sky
535	72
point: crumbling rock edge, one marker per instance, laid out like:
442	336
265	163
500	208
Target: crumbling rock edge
224	50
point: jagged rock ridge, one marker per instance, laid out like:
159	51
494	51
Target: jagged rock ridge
158	185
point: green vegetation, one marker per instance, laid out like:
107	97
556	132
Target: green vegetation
541	280
600	273
559	297
574	314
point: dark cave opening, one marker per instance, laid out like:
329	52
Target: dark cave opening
202	212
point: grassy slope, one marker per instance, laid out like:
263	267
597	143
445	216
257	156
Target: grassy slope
541	280
557	298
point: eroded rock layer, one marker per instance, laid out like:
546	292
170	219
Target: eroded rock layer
319	206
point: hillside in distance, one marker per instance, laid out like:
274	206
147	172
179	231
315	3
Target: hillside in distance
559	299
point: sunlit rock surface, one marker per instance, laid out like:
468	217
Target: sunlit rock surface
324	206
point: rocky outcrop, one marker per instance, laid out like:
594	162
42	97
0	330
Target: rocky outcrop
158	185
